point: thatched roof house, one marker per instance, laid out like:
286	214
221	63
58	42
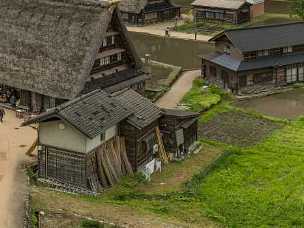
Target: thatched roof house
49	47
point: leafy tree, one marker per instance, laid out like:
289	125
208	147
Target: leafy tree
298	8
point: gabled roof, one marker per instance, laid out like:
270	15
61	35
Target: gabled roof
265	37
91	114
233	64
144	111
179	113
221	4
136	6
49	46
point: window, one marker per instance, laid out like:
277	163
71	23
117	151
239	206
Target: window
263	77
102	137
263	53
287	50
250	55
227	49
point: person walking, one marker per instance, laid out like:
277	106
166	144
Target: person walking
2	113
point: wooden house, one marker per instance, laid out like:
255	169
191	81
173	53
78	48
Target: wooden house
179	130
79	144
140	128
255	59
140	12
257	7
232	11
55	50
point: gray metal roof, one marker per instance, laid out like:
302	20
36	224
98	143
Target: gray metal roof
179	113
233	64
222	4
144	111
265	37
91	114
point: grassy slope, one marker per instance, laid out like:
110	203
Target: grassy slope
262	185
255	186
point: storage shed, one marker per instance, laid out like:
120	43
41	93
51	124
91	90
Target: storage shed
79	145
179	130
139	129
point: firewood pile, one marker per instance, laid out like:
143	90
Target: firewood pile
112	162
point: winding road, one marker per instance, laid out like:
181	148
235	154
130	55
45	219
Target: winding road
178	90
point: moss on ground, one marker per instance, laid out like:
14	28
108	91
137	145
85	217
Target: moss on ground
199	99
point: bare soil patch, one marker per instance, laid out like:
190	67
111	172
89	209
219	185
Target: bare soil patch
237	128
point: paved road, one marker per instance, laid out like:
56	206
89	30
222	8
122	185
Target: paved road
178	90
14	141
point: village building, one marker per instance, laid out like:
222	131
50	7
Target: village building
140	12
53	51
179	130
89	143
232	11
140	129
254	59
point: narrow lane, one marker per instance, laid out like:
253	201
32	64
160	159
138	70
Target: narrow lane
178	90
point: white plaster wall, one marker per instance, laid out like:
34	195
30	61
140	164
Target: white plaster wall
68	138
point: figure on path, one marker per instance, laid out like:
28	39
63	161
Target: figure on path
2	113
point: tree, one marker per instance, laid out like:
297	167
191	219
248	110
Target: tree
298	8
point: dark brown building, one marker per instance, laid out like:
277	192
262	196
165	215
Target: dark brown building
54	50
255	59
179	130
140	12
233	11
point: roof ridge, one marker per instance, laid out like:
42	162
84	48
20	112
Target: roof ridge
77	99
264	26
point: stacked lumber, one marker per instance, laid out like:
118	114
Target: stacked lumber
112	161
163	156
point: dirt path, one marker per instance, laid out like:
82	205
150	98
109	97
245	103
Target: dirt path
14	141
178	90
161	32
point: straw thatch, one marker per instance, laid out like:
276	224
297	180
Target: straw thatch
49	46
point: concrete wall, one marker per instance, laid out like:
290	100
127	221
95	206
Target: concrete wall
62	135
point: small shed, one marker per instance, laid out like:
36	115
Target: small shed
139	129
179	130
79	145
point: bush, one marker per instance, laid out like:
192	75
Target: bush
90	224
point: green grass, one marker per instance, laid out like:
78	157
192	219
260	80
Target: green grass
214	27
199	99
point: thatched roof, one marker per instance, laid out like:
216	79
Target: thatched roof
49	46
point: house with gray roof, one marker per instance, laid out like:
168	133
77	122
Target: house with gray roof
231	11
254	59
140	12
87	144
52	51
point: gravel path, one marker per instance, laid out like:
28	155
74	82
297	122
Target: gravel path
161	32
178	90
14	141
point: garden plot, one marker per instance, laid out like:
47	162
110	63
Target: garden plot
237	128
